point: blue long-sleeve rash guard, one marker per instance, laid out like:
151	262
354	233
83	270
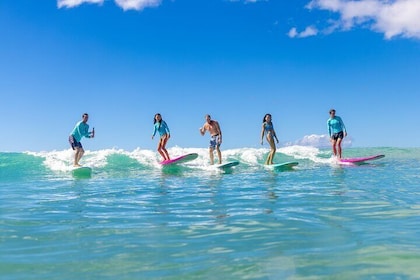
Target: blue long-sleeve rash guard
161	127
80	130
335	125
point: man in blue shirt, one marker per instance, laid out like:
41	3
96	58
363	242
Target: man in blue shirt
79	131
337	132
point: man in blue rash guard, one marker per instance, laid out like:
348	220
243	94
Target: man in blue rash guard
79	131
336	131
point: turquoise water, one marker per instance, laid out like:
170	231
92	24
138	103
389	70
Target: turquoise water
133	220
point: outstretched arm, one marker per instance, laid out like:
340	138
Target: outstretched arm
203	129
154	131
262	134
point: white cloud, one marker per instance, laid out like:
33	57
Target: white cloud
293	32
124	4
137	4
74	3
248	1
309	31
320	141
390	17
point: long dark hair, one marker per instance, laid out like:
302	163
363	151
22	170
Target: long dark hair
154	119
265	117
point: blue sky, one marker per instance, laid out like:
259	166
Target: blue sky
123	61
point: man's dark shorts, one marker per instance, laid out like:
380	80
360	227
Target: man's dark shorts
339	135
73	143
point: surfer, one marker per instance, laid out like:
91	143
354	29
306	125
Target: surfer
337	132
163	129
79	131
216	137
270	134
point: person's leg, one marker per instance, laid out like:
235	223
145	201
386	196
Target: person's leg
270	156
211	155
334	149
273	152
163	146
159	149
219	154
78	155
166	153
339	147
267	161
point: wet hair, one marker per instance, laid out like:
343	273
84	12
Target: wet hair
154	118
332	110
265	117
85	114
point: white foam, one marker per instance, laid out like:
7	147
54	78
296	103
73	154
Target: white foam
305	152
63	160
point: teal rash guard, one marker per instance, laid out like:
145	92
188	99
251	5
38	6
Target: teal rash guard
161	127
80	130
335	125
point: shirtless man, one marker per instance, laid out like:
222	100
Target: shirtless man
216	137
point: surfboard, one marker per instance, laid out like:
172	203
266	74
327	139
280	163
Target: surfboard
360	160
283	166
228	164
82	172
180	159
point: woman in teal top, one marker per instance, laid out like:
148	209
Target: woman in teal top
337	132
163	129
270	134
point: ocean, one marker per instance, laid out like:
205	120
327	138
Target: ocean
131	219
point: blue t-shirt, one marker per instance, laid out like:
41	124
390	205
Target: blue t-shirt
335	125
80	130
161	127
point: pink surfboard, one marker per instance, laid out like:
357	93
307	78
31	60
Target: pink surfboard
180	159
360	159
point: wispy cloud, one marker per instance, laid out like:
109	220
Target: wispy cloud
137	4
393	18
248	1
320	141
124	4
309	31
75	3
